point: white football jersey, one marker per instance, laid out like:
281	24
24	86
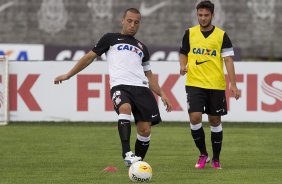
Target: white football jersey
127	59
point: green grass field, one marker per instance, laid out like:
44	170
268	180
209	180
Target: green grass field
66	153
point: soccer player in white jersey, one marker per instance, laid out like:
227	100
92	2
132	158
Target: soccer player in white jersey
131	82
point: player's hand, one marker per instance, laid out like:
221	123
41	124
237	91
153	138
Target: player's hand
60	79
166	102
235	92
183	70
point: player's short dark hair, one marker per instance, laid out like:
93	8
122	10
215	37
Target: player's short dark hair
207	5
132	10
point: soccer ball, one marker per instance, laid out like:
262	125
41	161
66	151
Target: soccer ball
140	172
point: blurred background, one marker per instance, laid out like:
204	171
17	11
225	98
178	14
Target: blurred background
66	29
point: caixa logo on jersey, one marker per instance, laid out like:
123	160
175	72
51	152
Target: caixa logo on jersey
130	48
22	52
204	51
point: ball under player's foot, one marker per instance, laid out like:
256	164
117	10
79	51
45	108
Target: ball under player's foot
203	159
131	158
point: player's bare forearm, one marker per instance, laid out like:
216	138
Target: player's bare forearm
230	70
80	65
153	84
232	77
155	87
183	59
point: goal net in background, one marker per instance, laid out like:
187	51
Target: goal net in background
4	88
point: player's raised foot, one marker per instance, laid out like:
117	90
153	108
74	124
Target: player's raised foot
203	159
131	158
215	164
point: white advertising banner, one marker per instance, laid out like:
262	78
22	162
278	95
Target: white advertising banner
22	52
86	97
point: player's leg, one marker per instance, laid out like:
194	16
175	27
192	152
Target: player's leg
146	114
216	139
196	100
217	107
122	106
143	138
198	135
124	127
197	131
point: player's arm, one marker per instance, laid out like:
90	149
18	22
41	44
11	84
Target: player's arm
231	75
184	50
226	53
80	65
101	47
155	87
183	59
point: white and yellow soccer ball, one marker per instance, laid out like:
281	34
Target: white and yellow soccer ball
140	172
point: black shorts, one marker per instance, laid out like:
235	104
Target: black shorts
209	101
143	103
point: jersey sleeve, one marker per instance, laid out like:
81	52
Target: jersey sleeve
185	45
103	45
227	48
145	61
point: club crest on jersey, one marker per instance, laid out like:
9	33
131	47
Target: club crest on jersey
204	51
116	98
130	48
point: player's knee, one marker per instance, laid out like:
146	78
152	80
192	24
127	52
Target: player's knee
214	120
195	120
144	131
195	117
125	109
